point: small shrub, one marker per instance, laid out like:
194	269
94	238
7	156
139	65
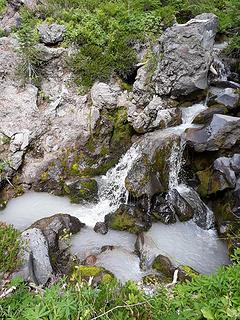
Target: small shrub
9	247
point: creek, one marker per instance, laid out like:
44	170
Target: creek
184	243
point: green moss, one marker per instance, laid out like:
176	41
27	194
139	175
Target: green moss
189	272
99	274
44	176
163	265
204	177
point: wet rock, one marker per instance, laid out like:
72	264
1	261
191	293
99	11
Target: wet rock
205	117
145	248
187	203
127	218
185	56
182	208
90	260
149	174
54	226
51	34
57	230
235	163
164	265
101	227
218	178
162	211
227	97
222	133
36	265
82	190
107	247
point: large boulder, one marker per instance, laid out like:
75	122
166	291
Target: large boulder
185	56
57	231
53	227
222	133
149	174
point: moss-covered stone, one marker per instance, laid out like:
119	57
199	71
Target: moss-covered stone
99	275
186	273
211	182
164	265
79	190
126	218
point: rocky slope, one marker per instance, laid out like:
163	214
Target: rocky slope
54	139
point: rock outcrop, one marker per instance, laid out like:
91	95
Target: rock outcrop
185	56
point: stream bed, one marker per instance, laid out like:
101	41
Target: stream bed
183	243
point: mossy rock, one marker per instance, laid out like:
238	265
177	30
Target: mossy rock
3	204
126	218
99	274
163	265
211	182
81	190
206	116
186	273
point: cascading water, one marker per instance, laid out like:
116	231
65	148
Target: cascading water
203	216
112	192
112	185
23	211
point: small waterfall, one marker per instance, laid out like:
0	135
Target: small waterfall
112	185
203	216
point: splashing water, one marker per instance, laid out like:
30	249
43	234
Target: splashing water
112	185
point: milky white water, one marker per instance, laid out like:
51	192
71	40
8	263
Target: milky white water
88	242
23	211
184	243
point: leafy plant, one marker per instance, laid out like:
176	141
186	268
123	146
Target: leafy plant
9	247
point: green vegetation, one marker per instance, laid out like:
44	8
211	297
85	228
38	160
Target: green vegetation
104	32
214	297
29	68
9	246
2	6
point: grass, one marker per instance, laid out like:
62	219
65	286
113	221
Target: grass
214	297
9	247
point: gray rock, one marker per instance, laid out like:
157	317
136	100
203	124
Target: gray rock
227	97
82	190
222	133
51	34
149	174
158	114
223	165
101	227
187	204
35	258
162	211
54	226
235	163
205	117
104	95
185	56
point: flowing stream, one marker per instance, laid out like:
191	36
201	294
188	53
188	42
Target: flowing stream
184	243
